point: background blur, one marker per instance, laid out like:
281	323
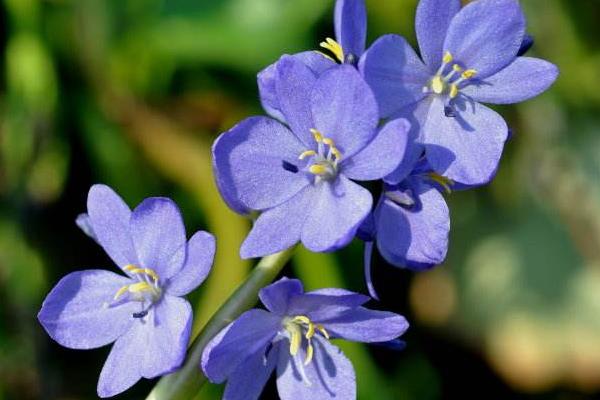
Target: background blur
132	93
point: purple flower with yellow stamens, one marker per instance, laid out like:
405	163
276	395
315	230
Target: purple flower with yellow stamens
300	177
142	312
470	56
293	338
350	23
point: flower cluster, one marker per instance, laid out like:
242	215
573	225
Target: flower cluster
348	115
337	118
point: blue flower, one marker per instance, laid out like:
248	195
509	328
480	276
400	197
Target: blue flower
141	311
411	221
469	57
293	337
350	23
300	176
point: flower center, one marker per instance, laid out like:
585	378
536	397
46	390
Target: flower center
324	161
450	83
300	326
146	289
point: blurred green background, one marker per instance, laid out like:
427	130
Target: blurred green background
132	93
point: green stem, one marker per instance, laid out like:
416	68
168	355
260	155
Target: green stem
186	382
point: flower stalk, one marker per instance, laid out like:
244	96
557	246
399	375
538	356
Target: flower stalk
186	382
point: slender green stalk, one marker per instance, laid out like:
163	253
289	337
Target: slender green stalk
186	382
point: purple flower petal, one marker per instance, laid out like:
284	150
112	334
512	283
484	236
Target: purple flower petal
243	338
382	155
293	84
276	296
468	147
486	35
267	79
330	375
109	216
250	161
335	214
222	172
431	23
415	238
395	73
344	109
84	223
367	326
247	381
350	22
151	348
199	260
367	257
76	313
523	79
324	304
280	227
159	236
416	114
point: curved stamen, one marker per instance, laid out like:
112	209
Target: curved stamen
325	158
449	83
294	327
335	48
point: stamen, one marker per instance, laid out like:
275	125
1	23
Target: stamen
453	91
334	47
120	292
468	74
437	84
444	182
447	58
307	153
294	327
328	142
326	157
295	339
317	135
142	271
318	169
323	331
309	353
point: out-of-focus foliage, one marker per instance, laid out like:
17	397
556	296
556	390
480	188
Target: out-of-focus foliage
132	92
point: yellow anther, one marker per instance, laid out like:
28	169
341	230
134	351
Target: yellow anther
307	153
121	291
444	182
328	142
336	153
453	91
317	169
334	47
309	354
437	84
142	271
295	339
310	332
457	68
468	74
447	58
317	135
139	287
303	319
323	331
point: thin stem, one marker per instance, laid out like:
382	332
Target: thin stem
186	382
